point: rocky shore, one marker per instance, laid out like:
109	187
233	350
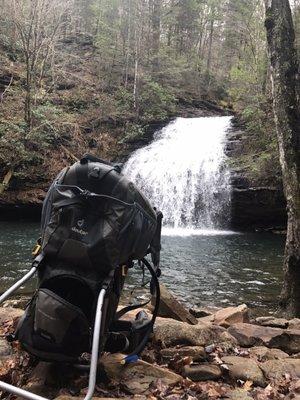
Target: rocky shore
225	355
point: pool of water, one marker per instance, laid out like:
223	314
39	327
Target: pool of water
203	268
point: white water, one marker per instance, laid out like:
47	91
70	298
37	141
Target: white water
183	173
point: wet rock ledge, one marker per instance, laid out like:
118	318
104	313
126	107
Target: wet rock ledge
225	355
253	206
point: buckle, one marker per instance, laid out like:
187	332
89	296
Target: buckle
36	250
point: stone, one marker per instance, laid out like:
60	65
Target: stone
5	349
245	369
273	322
264	353
249	335
275	369
170	307
289	341
171	333
231	315
199	312
202	372
136	377
43	380
239	394
195	352
294	323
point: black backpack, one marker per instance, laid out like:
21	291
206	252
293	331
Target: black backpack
95	223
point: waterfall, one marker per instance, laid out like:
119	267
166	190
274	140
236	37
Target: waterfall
184	174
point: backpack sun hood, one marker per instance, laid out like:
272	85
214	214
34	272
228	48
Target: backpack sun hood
94	216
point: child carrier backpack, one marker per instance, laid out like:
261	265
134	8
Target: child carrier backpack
95	223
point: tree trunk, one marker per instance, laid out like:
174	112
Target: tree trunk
156	34
28	96
285	88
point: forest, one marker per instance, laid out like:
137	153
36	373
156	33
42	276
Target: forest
96	75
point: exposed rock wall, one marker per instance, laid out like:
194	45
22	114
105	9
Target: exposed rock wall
255	204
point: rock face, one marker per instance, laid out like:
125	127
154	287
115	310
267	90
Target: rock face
253	206
245	369
258	208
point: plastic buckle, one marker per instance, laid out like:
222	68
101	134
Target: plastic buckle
124	270
36	250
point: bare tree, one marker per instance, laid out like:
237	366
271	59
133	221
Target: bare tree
37	24
285	88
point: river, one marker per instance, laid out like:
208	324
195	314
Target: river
184	172
203	270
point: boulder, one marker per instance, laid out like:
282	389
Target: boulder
170	307
202	372
195	352
170	333
264	353
244	369
231	315
136	377
275	369
273	322
289	341
249	335
294	323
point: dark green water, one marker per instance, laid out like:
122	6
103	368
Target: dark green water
202	269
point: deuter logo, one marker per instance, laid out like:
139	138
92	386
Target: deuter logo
80	223
79	231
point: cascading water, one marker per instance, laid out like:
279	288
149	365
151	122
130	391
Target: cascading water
183	173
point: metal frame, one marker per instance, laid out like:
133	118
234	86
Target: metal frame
95	344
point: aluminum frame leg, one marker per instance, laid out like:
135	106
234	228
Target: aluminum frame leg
16	285
95	346
20	392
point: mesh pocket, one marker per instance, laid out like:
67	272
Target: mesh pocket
54	329
54	316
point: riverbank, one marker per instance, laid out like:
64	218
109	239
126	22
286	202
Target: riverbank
226	355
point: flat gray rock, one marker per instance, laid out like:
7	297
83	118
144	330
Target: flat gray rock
202	372
245	369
